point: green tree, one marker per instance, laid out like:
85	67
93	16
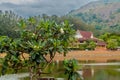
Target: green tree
112	44
71	67
109	37
39	40
8	24
91	45
105	36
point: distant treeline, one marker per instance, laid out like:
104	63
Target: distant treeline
9	23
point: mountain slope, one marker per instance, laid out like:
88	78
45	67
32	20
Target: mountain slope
100	13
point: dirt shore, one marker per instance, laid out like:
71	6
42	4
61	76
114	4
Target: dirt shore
91	56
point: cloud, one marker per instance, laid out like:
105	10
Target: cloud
17	1
36	7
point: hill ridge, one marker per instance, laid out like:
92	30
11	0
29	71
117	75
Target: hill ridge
100	13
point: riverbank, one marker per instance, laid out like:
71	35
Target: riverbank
87	56
91	56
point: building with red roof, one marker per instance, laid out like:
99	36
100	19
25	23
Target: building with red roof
83	36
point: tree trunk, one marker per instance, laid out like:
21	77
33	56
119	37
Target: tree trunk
31	73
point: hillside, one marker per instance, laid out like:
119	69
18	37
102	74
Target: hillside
103	14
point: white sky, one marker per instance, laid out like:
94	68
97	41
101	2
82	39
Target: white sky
30	1
17	1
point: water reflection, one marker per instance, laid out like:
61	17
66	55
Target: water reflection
87	71
101	72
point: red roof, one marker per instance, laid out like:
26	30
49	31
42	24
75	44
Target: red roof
86	34
101	43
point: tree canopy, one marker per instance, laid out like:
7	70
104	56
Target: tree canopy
38	39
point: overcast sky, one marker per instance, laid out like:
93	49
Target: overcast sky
36	7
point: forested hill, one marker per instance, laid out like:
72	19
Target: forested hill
98	17
104	14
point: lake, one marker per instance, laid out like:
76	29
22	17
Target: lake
96	71
101	72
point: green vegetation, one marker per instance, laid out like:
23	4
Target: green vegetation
71	67
103	15
118	10
112	44
1	61
8	24
38	39
112	40
89	45
82	46
98	24
82	21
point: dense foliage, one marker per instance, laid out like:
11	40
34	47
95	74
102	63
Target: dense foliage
8	24
102	14
112	40
87	45
40	40
71	67
100	25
